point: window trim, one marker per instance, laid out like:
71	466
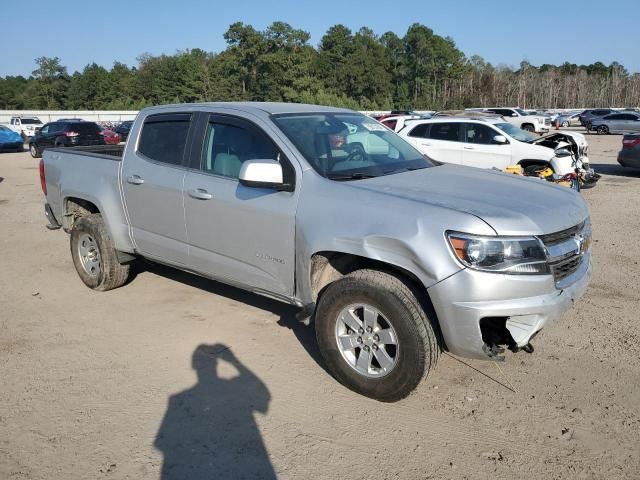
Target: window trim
185	154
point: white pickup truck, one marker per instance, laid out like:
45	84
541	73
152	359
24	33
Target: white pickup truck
25	126
520	118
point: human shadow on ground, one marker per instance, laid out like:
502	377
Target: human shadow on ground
209	430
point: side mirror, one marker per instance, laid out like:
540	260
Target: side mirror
262	173
563	152
514	114
500	140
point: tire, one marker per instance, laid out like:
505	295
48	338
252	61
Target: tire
565	124
602	130
33	150
528	128
94	256
399	311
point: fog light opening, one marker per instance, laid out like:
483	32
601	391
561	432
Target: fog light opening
496	336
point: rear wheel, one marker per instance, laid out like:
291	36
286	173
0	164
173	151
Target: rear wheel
565	124
602	130
94	256
33	150
374	335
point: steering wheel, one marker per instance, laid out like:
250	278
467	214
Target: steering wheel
356	153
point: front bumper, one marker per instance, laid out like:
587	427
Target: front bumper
528	302
542	128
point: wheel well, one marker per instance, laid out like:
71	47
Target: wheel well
527	163
527	124
327	267
74	208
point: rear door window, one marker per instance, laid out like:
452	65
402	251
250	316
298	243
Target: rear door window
164	137
420	131
445	131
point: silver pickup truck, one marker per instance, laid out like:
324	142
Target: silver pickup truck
393	256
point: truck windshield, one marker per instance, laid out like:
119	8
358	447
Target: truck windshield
515	132
349	146
30	121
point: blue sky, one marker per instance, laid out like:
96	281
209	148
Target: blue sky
503	32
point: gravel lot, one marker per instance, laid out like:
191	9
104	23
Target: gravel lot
106	385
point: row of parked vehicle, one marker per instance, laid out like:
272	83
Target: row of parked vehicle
64	132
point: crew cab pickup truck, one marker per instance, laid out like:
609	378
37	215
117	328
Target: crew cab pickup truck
393	256
25	126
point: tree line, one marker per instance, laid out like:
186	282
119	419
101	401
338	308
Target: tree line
359	70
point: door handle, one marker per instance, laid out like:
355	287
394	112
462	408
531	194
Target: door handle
135	180
469	148
200	194
426	144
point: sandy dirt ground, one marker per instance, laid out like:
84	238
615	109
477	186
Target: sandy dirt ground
178	368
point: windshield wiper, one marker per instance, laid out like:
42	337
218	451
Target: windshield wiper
349	176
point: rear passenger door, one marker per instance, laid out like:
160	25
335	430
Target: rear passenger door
444	142
481	151
152	182
239	234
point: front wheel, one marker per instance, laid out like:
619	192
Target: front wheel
528	128
565	124
602	130
374	335
33	150
94	256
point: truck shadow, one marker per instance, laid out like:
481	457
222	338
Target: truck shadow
286	313
209	430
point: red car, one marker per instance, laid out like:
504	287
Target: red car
110	137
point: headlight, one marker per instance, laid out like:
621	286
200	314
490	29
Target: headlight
511	255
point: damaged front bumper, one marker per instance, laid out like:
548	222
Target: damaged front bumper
480	311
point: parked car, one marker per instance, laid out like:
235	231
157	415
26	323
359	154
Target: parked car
123	129
494	143
65	134
629	156
588	115
569	119
519	118
378	245
10	140
111	137
26	127
619	122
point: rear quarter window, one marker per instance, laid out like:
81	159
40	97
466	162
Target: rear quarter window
164	137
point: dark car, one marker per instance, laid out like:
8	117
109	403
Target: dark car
123	130
588	115
629	156
65	134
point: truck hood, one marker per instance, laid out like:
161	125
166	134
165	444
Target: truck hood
511	205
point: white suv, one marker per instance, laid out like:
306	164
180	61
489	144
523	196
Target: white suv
492	142
521	119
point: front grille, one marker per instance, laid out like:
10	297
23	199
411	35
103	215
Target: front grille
561	236
563	269
565	251
547	121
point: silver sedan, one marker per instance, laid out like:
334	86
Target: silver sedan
622	122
